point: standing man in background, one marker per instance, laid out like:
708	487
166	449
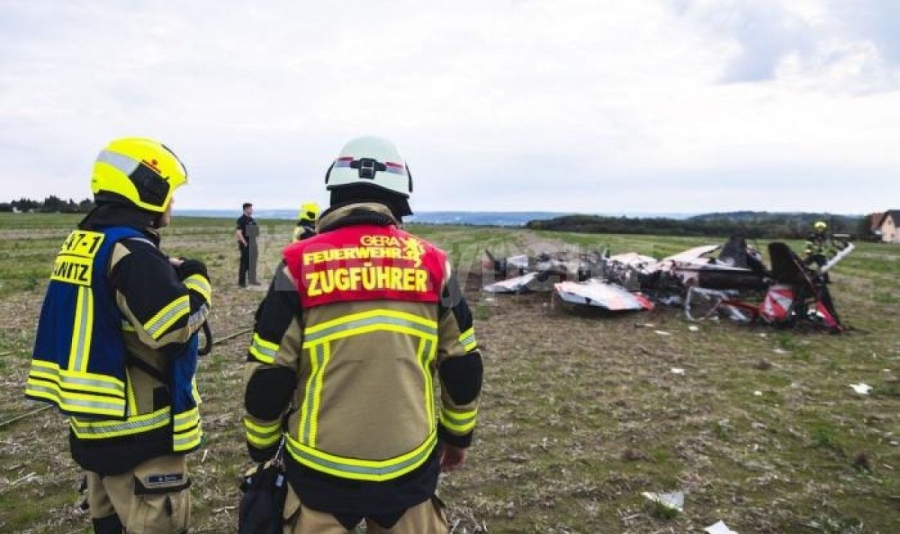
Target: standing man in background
246	233
116	344
359	322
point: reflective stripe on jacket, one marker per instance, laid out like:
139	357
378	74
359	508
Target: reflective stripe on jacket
81	363
78	363
370	297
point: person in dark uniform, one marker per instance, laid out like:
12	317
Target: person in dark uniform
246	233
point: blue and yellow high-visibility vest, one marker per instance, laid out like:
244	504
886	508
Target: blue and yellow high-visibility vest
79	363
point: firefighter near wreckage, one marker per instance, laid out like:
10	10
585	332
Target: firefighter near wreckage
357	324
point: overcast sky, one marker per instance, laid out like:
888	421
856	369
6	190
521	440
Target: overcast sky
598	106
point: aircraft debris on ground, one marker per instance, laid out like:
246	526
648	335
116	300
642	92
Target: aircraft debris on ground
705	284
794	295
719	528
672	500
623	282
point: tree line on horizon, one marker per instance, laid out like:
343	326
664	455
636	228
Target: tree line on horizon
753	225
51	204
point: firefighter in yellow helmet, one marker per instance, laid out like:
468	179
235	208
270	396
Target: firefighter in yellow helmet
116	344
306	221
358	324
817	245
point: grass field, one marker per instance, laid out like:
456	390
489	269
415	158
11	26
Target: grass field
580	415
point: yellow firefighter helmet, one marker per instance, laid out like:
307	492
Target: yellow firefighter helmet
142	172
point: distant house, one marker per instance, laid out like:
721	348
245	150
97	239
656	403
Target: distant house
874	221
890	226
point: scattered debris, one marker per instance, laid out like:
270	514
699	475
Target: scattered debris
27	478
677	371
673	500
599	294
694	328
862	389
663	332
719	528
757	393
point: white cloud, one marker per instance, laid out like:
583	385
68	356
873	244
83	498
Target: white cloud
551	105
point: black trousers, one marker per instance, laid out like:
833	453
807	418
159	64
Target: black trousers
244	264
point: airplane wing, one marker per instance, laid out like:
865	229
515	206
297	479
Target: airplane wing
519	284
692	254
519	262
599	294
838	257
633	259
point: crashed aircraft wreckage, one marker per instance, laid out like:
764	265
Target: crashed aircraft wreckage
622	282
795	295
634	282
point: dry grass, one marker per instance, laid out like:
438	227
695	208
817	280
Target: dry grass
580	414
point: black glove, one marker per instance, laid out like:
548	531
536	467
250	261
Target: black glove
191	267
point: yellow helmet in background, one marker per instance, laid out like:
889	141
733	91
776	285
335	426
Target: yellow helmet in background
309	212
141	171
820	226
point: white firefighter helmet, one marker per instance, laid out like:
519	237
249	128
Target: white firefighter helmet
371	161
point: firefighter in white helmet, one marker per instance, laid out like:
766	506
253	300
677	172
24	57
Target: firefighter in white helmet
358	323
